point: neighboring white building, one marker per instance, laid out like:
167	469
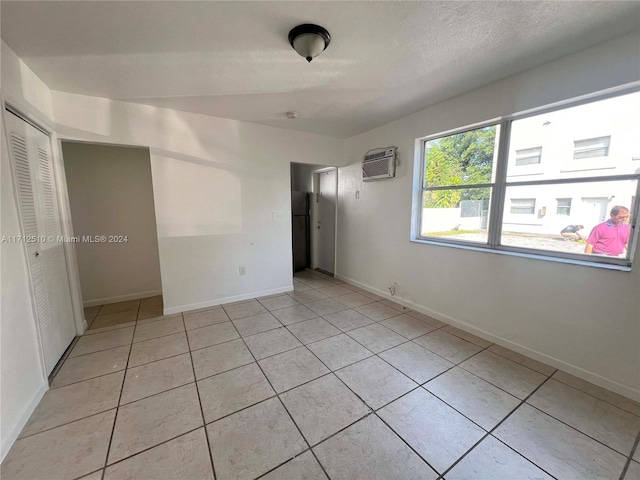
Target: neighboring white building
598	139
595	141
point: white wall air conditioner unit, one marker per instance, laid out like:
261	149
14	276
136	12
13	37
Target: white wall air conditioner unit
379	164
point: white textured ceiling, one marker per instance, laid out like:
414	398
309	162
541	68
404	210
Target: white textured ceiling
233	60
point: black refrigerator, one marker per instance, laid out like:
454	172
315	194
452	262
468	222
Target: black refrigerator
300	227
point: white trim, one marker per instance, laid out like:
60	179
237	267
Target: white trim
220	301
28	111
121	298
64	207
499	185
16	200
314	214
22	420
546	256
541	357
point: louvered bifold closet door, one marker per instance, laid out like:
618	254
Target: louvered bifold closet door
55	266
39	213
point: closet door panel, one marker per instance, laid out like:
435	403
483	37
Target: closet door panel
40	219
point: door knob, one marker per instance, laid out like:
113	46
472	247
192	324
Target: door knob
37	254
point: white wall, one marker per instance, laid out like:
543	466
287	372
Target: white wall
302	177
585	320
22	378
110	193
221	192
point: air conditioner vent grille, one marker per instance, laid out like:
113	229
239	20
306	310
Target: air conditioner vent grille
379	164
373	156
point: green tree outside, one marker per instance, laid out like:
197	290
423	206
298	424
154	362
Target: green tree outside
461	159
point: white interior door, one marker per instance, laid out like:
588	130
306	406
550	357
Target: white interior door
40	217
326	227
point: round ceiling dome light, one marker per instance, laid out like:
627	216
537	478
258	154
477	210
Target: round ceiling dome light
309	40
292	115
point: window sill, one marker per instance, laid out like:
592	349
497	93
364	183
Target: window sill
528	255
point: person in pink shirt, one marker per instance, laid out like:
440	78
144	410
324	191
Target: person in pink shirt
610	237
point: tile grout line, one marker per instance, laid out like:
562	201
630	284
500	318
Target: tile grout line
100	351
518	406
87	379
276	394
94	318
575	428
113	408
594	396
403	440
157	393
110	328
204	421
630	458
420	385
144	450
549	377
490	432
332	372
115	418
283	405
67	423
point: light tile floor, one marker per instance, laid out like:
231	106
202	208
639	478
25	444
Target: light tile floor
326	381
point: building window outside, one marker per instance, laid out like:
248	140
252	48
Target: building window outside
523	206
563	206
592	147
471	194
528	156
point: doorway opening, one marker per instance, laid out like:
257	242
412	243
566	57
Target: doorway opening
314	193
112	208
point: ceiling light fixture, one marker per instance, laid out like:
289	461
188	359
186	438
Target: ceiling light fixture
309	40
292	115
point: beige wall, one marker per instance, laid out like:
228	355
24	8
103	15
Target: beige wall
110	192
222	193
22	377
581	319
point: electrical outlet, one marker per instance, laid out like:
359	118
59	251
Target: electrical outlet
243	270
357	194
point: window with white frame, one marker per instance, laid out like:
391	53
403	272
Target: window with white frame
563	206
471	195
528	156
591	147
525	206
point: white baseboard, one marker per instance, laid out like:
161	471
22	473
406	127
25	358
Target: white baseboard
541	357
220	301
8	442
121	298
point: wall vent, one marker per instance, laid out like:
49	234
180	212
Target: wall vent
379	164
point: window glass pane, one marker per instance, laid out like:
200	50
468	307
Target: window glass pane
583	205
593	147
595	139
528	156
456	214
563	206
525	206
465	158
